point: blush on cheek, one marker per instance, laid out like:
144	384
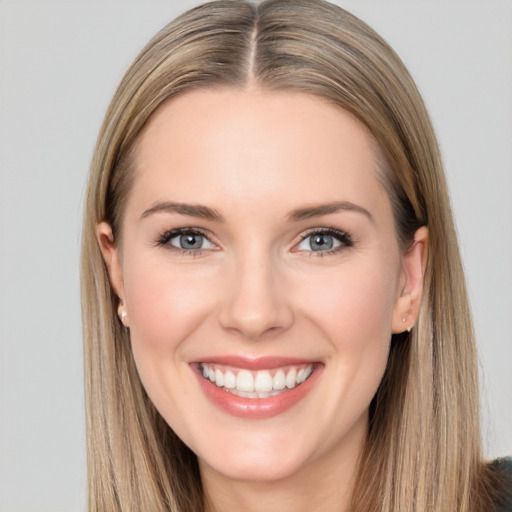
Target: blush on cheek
166	304
359	303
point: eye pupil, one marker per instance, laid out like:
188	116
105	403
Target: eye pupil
321	242
191	241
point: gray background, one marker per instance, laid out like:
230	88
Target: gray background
59	64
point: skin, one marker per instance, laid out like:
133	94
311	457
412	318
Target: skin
257	289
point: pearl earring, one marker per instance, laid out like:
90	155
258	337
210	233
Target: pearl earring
121	313
404	319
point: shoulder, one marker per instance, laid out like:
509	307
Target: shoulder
503	469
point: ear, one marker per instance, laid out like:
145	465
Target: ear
407	304
113	261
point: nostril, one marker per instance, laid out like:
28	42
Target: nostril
256	304
254	324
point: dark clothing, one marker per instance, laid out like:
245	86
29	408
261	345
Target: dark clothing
504	468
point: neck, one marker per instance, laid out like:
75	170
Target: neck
326	484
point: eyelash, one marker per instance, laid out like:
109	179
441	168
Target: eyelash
343	237
164	239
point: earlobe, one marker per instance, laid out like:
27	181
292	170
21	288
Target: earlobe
407	304
112	259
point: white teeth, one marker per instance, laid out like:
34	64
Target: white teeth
279	380
244	381
263	382
291	378
256	384
229	380
219	378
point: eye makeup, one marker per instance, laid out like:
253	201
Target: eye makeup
324	241
321	241
186	241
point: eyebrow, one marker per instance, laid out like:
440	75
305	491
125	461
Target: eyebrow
205	212
325	209
191	210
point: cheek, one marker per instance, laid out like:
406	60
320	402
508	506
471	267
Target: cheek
354	310
354	305
165	304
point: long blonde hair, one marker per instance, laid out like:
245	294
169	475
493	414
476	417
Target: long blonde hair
423	450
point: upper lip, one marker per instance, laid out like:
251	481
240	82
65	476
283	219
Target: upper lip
253	363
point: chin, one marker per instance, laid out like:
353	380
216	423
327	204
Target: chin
254	467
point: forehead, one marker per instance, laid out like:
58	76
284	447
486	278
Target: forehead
247	146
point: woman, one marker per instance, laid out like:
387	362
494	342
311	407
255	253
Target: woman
274	306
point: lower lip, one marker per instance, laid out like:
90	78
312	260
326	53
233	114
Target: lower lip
257	408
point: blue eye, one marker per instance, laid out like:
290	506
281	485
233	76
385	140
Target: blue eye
327	240
186	240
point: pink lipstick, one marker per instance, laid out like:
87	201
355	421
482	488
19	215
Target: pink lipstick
256	388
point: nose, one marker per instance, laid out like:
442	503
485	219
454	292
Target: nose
256	303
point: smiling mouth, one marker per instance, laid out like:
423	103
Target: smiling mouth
256	384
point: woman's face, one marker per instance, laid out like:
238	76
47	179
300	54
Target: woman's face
258	250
